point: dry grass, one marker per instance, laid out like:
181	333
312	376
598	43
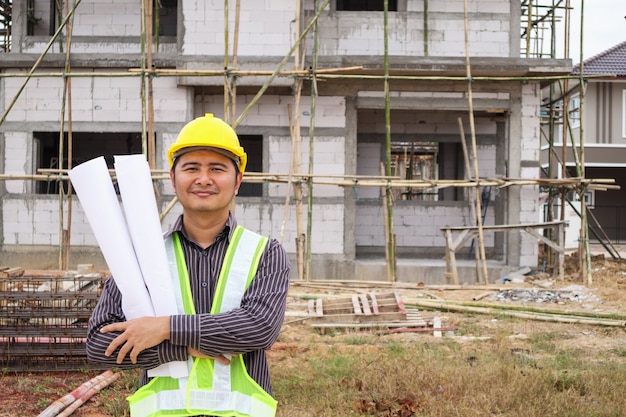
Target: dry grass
388	376
553	371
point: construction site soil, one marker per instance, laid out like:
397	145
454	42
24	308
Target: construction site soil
29	393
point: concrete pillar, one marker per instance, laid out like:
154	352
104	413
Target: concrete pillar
513	159
500	200
19	25
350	169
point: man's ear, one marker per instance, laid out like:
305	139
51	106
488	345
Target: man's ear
172	175
238	182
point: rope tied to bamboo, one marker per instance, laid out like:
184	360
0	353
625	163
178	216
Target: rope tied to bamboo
355	188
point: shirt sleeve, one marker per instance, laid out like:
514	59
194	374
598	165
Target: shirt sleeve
255	325
108	310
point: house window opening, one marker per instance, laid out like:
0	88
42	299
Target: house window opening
366	5
573	111
415	161
253	145
85	146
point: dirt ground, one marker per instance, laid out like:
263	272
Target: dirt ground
24	395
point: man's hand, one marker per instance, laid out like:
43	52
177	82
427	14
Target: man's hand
137	335
221	359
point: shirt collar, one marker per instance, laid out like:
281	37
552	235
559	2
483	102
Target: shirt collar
229	228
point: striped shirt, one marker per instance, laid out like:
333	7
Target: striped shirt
250	329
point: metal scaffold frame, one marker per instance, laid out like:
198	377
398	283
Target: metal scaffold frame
537	16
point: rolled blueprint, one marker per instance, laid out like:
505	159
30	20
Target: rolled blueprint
142	217
100	203
94	189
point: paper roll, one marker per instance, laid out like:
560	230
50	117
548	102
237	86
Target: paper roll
94	189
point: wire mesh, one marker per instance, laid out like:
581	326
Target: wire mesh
43	321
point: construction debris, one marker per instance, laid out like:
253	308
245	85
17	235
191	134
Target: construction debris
574	293
366	310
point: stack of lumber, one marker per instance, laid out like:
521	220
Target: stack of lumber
363	311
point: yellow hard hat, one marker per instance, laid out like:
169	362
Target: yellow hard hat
209	132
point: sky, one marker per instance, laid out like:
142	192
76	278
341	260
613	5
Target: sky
604	26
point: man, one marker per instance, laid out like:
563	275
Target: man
207	165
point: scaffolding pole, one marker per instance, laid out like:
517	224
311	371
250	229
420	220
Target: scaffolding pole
390	247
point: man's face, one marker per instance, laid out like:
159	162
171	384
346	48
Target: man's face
205	182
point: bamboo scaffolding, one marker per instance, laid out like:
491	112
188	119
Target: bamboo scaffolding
472	203
298	191
584	224
289	181
530	309
390	250
150	139
147	72
320	74
359	180
65	234
477	200
551	317
314	71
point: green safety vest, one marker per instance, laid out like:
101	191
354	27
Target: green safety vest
211	388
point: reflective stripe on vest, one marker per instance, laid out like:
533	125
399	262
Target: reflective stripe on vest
211	388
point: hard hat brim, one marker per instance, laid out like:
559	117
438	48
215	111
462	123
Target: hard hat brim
220	151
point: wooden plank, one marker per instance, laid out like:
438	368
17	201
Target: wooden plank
400	303
503	227
365	305
374	303
360	319
12	272
356	305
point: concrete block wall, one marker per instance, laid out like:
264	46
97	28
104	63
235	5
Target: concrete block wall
107	18
272	111
95	18
436	122
16	160
328	160
97	99
327	236
266	27
108	26
352	33
486	155
36	222
414	226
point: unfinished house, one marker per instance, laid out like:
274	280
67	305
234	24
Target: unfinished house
367	127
